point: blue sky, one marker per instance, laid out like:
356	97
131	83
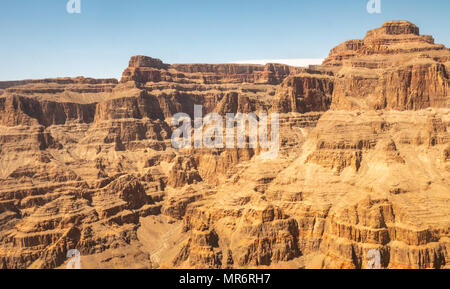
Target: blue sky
40	39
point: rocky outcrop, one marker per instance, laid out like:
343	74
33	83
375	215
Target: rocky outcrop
304	93
143	69
393	67
18	110
146	69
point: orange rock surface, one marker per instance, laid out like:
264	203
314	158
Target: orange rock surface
364	164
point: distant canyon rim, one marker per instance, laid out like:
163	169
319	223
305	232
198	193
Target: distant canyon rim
363	164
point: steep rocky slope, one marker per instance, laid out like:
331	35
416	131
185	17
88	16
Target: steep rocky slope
364	164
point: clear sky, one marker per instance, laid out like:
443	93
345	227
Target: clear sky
38	38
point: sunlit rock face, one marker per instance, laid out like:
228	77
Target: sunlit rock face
364	163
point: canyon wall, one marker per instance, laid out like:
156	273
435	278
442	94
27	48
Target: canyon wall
364	163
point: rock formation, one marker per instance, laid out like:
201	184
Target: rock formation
393	67
364	164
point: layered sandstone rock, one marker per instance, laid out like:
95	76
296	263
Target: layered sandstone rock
393	67
364	163
304	93
146	69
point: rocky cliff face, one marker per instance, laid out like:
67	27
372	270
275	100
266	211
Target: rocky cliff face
364	163
147	69
393	67
304	93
